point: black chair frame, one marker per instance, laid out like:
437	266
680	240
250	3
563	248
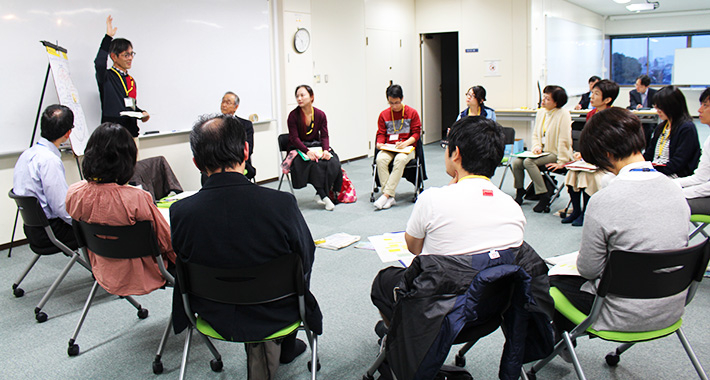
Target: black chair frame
509	134
640	275
119	242
275	280
417	164
33	216
283	150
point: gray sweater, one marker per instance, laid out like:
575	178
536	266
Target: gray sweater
638	211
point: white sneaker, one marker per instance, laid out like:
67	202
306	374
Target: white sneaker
329	206
390	202
380	202
318	200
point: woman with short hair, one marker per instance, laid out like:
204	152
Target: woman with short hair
105	197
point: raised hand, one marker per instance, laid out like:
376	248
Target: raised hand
110	30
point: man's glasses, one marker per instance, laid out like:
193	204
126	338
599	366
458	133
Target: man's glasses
128	55
444	144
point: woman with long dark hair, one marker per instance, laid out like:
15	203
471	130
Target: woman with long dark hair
674	148
308	134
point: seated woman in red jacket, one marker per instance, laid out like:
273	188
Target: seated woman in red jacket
674	148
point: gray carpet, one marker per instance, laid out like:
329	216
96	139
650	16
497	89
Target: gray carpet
115	344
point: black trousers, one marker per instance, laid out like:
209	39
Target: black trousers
570	286
40	241
382	293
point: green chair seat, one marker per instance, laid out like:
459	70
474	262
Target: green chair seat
700	218
205	328
565	307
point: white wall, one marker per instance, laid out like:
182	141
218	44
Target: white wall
657	23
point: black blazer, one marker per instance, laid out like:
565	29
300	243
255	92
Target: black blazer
249	128
684	149
584	102
635	98
232	222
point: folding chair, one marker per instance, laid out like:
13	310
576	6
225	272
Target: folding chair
283	150
507	161
33	216
276	280
414	172
700	222
118	242
639	275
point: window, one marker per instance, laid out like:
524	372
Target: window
700	41
652	55
661	51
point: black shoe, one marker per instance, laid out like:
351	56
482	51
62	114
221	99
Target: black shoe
543	203
519	194
288	357
579	222
571	218
381	329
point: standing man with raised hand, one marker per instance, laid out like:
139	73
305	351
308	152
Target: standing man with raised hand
117	89
399	125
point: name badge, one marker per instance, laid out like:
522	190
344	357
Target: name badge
394	137
129	102
493	254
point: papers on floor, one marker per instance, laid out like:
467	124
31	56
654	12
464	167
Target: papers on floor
393	148
316	149
134	114
530	154
581	166
392	247
563	264
337	241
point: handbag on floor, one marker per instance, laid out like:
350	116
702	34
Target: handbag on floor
347	191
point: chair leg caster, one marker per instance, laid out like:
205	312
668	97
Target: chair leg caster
17	292
157	366
216	365
460	361
73	349
612	359
310	369
143	313
40	316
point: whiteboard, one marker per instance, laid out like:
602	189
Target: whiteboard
189	53
574	53
690	67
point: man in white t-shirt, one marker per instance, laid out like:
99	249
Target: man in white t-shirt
469	216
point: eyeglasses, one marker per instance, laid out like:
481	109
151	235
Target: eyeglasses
444	144
469	95
128	55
